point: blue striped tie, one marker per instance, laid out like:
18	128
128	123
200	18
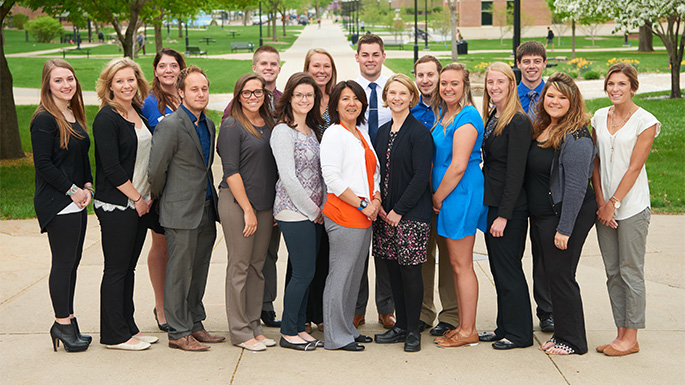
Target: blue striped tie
532	106
373	113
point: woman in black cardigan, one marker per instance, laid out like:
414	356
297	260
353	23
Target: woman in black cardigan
122	149
405	150
64	185
505	150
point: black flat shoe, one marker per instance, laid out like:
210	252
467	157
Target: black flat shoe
504	345
441	328
412	343
304	346
488	337
162	327
392	336
547	324
362	339
423	326
269	319
353	347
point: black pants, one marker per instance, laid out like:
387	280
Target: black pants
123	235
315	303
541	294
560	267
406	283
65	234
514	319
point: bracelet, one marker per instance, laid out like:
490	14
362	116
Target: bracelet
139	198
72	190
91	189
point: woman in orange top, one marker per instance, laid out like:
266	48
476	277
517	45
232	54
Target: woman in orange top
351	171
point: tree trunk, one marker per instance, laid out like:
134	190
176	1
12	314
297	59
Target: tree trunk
453	28
273	27
180	29
10	141
159	43
246	12
646	37
285	21
573	39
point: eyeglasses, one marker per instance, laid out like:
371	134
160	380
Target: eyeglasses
258	93
302	96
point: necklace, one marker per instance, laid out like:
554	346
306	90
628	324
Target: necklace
612	137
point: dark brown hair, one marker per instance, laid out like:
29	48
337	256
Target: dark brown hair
370	38
335	98
237	105
284	109
428	59
164	99
531	48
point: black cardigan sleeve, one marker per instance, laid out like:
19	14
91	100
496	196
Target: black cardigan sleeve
421	143
518	144
44	133
106	132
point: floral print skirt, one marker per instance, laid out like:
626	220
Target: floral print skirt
406	243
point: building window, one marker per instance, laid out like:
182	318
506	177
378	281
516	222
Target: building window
486	13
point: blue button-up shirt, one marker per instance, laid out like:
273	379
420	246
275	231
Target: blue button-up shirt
423	113
523	91
205	141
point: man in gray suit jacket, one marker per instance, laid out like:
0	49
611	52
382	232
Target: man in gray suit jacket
180	176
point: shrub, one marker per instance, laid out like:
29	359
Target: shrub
44	28
19	20
572	74
590	75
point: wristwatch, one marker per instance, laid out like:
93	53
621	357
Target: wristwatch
72	190
617	203
363	204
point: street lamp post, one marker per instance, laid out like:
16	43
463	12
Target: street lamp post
187	44
425	26
416	32
261	39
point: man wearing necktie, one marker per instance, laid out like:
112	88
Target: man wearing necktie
371	56
531	58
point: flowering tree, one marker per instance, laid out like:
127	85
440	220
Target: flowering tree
668	23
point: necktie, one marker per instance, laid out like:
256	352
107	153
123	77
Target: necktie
532	111
373	113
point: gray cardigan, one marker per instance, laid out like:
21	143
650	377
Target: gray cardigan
570	176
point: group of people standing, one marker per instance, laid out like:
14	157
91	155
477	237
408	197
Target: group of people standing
387	165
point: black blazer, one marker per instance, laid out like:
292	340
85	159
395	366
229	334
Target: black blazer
411	157
57	168
504	165
116	145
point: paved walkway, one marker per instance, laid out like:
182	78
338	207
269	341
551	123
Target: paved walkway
26	358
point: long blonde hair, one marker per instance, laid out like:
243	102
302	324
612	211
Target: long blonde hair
466	97
105	81
47	103
513	104
575	119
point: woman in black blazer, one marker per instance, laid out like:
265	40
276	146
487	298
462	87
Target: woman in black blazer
64	185
505	150
405	150
122	149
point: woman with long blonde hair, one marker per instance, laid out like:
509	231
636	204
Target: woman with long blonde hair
64	187
505	149
561	204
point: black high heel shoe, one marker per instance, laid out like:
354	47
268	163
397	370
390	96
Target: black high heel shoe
66	334
162	327
84	337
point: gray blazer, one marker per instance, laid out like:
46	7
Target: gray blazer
177	171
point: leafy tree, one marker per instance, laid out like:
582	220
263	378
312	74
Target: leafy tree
10	141
440	21
19	20
503	18
44	28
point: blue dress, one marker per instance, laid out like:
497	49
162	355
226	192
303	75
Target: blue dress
150	111
462	210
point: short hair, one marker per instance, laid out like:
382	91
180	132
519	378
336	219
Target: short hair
105	81
440	108
625	69
164	99
513	104
370	38
334	71
405	81
427	59
265	49
335	98
284	109
531	48
181	78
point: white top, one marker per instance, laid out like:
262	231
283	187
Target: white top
343	164
613	168
384	113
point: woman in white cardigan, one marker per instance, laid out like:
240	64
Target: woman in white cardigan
350	170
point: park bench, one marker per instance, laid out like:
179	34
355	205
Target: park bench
76	51
394	43
242	45
193	50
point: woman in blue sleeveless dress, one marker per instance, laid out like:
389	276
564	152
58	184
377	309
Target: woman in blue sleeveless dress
458	187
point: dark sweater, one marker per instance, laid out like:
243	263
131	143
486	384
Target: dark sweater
116	145
57	168
411	157
504	166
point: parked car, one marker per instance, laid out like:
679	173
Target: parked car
255	19
304	20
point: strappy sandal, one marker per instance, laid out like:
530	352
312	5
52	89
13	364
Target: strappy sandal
552	341
563	347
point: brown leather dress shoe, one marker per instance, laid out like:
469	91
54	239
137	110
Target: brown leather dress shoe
358	320
456	340
204	336
387	320
188	343
447	335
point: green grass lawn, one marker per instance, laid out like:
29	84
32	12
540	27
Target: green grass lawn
665	165
222	73
15	42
